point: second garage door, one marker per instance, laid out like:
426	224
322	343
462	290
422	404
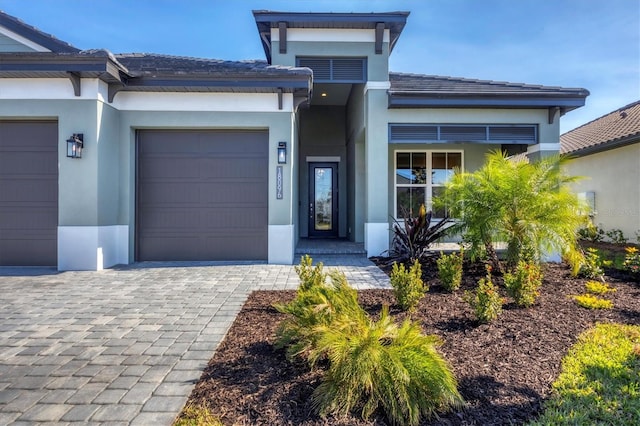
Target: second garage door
202	195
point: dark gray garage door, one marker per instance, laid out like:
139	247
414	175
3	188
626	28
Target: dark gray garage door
28	193
202	195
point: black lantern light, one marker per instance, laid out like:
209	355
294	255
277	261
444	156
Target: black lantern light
282	153
74	145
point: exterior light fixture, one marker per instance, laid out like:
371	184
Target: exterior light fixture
74	145
282	153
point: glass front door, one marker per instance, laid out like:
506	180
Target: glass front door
323	199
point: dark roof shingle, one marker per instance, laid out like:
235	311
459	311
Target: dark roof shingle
612	129
35	35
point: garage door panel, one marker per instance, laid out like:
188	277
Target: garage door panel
28	193
202	195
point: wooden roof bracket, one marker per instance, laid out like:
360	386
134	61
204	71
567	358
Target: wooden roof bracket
74	77
282	27
379	37
280	98
553	113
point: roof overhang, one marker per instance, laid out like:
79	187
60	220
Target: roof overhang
412	99
266	20
604	146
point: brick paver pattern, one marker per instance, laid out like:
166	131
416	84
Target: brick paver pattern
125	345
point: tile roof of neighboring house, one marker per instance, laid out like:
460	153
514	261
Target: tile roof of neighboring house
418	90
33	34
617	128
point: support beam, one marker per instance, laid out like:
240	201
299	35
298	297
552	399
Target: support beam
379	37
75	82
282	26
279	98
553	113
113	90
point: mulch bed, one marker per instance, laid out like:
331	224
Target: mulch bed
504	369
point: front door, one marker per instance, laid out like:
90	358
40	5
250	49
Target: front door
323	199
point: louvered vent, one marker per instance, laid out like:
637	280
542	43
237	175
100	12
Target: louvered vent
336	70
443	133
463	133
523	134
414	133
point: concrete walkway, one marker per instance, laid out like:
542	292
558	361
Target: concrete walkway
126	345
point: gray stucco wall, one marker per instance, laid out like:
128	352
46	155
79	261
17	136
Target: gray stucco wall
10	45
322	134
377	64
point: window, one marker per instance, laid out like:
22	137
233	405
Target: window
420	176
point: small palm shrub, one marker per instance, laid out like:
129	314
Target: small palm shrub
598	288
408	286
450	270
592	265
590	301
616	236
523	283
591	233
321	300
378	364
485	300
632	260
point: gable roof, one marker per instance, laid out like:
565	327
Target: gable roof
617	128
267	19
423	91
34	35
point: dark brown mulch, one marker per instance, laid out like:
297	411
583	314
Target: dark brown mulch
504	369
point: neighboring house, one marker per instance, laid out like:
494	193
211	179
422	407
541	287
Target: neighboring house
606	152
202	159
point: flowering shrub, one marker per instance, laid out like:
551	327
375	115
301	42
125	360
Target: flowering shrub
485	300
523	283
597	287
592	265
590	301
632	260
450	270
408	286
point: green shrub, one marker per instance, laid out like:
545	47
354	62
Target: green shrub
523	284
196	415
320	300
485	300
450	270
592	265
616	236
600	380
591	233
408	286
590	301
380	365
632	260
598	288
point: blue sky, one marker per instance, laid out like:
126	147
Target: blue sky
593	44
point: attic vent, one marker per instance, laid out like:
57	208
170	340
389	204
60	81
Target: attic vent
443	133
336	70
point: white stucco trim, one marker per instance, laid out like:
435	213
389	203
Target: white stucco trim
92	248
543	147
36	88
281	244
24	41
228	102
320	159
330	35
377	85
376	238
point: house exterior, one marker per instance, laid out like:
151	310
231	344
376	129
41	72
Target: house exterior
606	152
203	159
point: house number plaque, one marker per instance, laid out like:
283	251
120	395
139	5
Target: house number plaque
279	182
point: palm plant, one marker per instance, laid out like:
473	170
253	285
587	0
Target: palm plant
382	365
528	205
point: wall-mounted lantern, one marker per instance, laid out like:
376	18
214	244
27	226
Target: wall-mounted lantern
282	153
74	145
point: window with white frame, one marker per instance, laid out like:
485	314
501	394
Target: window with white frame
420	176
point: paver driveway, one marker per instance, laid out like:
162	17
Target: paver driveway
124	345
